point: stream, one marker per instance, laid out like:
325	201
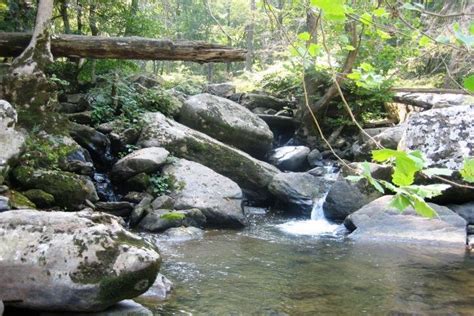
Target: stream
280	266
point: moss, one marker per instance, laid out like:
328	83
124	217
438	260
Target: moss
40	198
95	272
139	182
19	201
68	189
172	216
128	285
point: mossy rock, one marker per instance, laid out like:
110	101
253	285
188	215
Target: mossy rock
40	198
139	182
69	190
19	201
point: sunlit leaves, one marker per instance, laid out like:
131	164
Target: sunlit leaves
424	41
332	9
467	171
406	164
366	18
383	35
468	83
305	36
379	12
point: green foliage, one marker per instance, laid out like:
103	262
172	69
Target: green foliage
45	152
467	171
469	83
406	164
164	184
173	216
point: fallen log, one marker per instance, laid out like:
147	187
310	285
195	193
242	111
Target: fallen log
79	46
430	90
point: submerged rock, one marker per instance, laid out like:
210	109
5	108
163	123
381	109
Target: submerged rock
298	190
218	197
160	220
183	233
146	160
183	142
58	261
69	190
292	158
379	222
228	122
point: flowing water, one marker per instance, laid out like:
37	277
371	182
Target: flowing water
267	269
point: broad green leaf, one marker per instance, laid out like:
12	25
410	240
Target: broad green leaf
468	83
400	202
349	47
354	178
467	171
366	67
305	36
422	208
426	191
354	76
438	172
424	41
383	35
314	49
406	164
379	12
382	155
366	18
456	27
332	9
471	28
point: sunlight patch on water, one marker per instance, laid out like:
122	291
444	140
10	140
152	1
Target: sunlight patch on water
309	227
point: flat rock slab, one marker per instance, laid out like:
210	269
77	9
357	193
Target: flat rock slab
228	122
378	222
216	196
147	160
84	261
248	172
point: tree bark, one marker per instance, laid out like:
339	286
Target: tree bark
250	31
65	16
12	44
37	54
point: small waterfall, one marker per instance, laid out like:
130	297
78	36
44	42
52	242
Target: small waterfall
317	212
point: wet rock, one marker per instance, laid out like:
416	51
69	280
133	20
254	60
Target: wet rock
96	143
104	187
254	100
315	158
249	173
160	220
379	222
298	190
445	135
79	262
218	197
184	233
4	204
223	90
79	167
345	197
121	209
67	107
40	198
11	140
135	197
77	98
139	182
292	158
466	211
81	117
146	160
470	229
69	190
228	122
163	202
141	209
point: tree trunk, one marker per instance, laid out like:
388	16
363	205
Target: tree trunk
11	44
37	55
65	16
250	31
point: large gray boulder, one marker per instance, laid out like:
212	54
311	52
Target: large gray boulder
95	142
292	158
388	137
58	261
379	222
228	122
11	140
445	135
147	160
299	190
181	141
159	220
216	196
224	89
466	211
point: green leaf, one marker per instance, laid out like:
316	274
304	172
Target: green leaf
379	12
366	18
314	49
422	208
467	171
468	83
443	39
383	35
171	216
426	191
400	202
424	41
471	28
354	76
430	172
382	155
366	67
332	9
406	164
305	36
349	47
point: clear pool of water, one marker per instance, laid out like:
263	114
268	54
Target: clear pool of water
267	270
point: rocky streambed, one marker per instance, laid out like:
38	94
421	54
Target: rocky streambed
74	213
